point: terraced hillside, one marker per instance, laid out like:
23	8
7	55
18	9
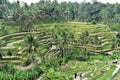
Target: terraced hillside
98	67
103	34
16	38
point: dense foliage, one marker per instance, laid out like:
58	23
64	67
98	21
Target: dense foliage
50	11
7	72
57	51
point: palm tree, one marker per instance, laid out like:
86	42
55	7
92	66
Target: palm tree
30	46
115	43
0	50
63	45
85	39
1	44
95	41
29	23
114	46
61	37
26	17
9	53
71	37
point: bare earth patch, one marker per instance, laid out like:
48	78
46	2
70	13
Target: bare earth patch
25	67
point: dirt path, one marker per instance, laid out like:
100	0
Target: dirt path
37	60
78	78
11	45
41	77
117	76
116	70
25	67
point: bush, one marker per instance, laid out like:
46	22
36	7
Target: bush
7	67
26	62
9	53
94	22
102	53
0	56
118	35
114	56
8	72
115	27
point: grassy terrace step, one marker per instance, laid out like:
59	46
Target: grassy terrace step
89	45
15	42
94	46
18	54
10	41
12	61
106	40
46	40
45	37
11	57
106	43
103	33
17	34
11	45
105	50
102	38
21	37
13	49
7	48
90	49
16	38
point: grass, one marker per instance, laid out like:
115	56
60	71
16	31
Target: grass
87	67
107	74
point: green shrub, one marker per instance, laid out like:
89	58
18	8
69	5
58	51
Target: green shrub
9	53
26	62
7	67
94	22
107	75
0	56
7	72
115	27
113	56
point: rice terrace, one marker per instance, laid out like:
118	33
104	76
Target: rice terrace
51	40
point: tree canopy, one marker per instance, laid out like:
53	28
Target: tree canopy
52	11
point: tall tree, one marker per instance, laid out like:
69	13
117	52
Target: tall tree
85	40
4	6
30	46
62	38
105	16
